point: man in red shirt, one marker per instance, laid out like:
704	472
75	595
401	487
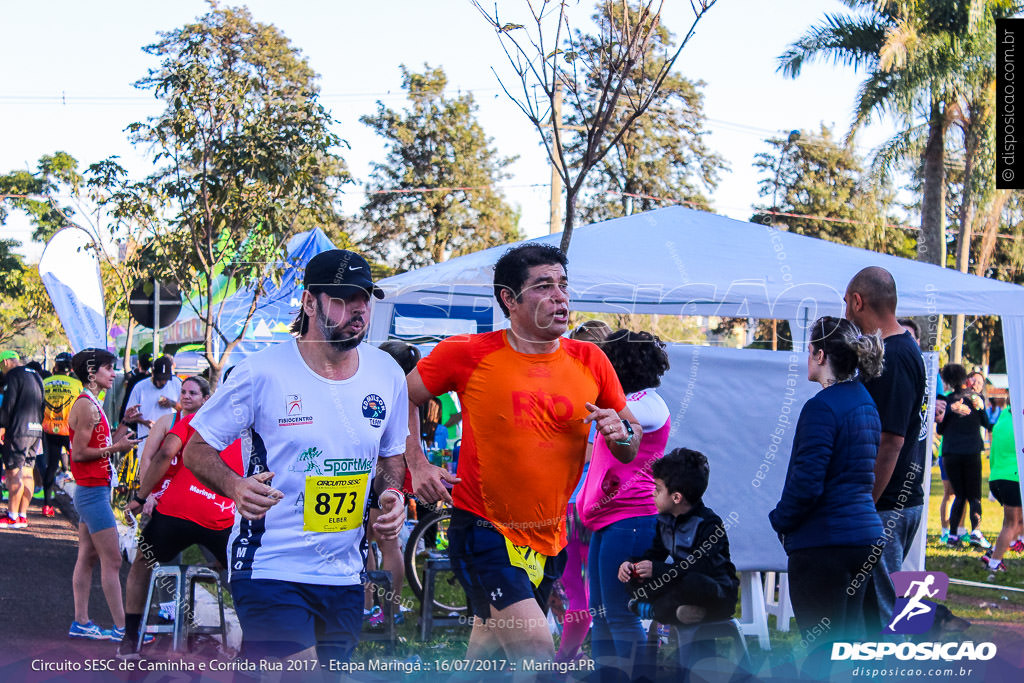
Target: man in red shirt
528	397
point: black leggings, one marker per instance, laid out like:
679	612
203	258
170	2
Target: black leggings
964	473
50	462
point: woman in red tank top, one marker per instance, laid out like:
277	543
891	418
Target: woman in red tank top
91	446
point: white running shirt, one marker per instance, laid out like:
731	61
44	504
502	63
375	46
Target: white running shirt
147	397
318	436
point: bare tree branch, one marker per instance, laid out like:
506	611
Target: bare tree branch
616	60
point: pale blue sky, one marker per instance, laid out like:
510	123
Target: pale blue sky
70	65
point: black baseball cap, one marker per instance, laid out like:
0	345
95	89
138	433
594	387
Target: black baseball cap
163	367
64	358
335	272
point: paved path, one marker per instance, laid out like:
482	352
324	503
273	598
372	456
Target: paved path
36	609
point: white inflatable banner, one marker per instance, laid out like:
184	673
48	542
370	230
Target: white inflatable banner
70	270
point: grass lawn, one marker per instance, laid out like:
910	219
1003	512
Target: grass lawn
976	604
987	608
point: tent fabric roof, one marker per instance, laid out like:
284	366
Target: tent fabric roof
686	262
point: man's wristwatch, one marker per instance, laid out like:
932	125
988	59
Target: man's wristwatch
629	434
140	501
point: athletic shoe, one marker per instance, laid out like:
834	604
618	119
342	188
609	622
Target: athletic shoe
399	619
976	539
48	511
954	542
944	538
89	630
22	523
1001	567
1018	546
8	523
376	617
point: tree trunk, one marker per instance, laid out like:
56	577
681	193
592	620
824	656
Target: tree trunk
991	230
570	217
931	246
963	242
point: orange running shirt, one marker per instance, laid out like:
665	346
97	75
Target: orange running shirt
524	439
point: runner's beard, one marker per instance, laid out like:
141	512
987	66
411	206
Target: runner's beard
335	336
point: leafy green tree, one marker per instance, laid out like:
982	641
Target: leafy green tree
42	196
810	175
245	157
868	41
929	63
436	143
663	153
37	194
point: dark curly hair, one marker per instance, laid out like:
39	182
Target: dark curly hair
954	375
684	471
639	359
512	269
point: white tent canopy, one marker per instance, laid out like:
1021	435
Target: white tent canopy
677	261
685	262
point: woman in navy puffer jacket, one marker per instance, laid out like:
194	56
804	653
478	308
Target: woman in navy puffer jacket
826	518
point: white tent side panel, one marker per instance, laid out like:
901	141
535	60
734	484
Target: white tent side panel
739	408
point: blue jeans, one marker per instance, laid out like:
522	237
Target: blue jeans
898	530
616	630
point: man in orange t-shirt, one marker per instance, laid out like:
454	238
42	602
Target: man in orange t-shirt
528	397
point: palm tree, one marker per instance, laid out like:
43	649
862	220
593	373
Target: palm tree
871	42
926	64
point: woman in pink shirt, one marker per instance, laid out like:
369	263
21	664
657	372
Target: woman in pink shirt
617	499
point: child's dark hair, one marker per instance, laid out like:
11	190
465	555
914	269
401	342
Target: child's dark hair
684	471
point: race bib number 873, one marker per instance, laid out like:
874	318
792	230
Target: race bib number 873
334	503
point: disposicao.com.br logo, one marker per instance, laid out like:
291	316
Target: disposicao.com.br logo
914	613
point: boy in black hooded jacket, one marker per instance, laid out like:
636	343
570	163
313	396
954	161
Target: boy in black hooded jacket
700	583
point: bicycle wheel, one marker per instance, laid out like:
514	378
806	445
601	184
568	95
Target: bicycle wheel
430	539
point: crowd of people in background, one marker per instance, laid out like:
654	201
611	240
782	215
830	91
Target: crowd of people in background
313	449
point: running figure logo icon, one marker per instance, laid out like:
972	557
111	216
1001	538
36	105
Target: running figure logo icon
293	404
914	611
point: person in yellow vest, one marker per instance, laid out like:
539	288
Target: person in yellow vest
59	391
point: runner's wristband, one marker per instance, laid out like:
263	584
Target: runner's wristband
140	501
401	496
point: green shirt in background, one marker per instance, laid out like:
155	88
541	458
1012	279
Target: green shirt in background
1003	455
449	408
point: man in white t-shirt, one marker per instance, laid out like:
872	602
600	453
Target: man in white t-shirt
319	416
155	397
